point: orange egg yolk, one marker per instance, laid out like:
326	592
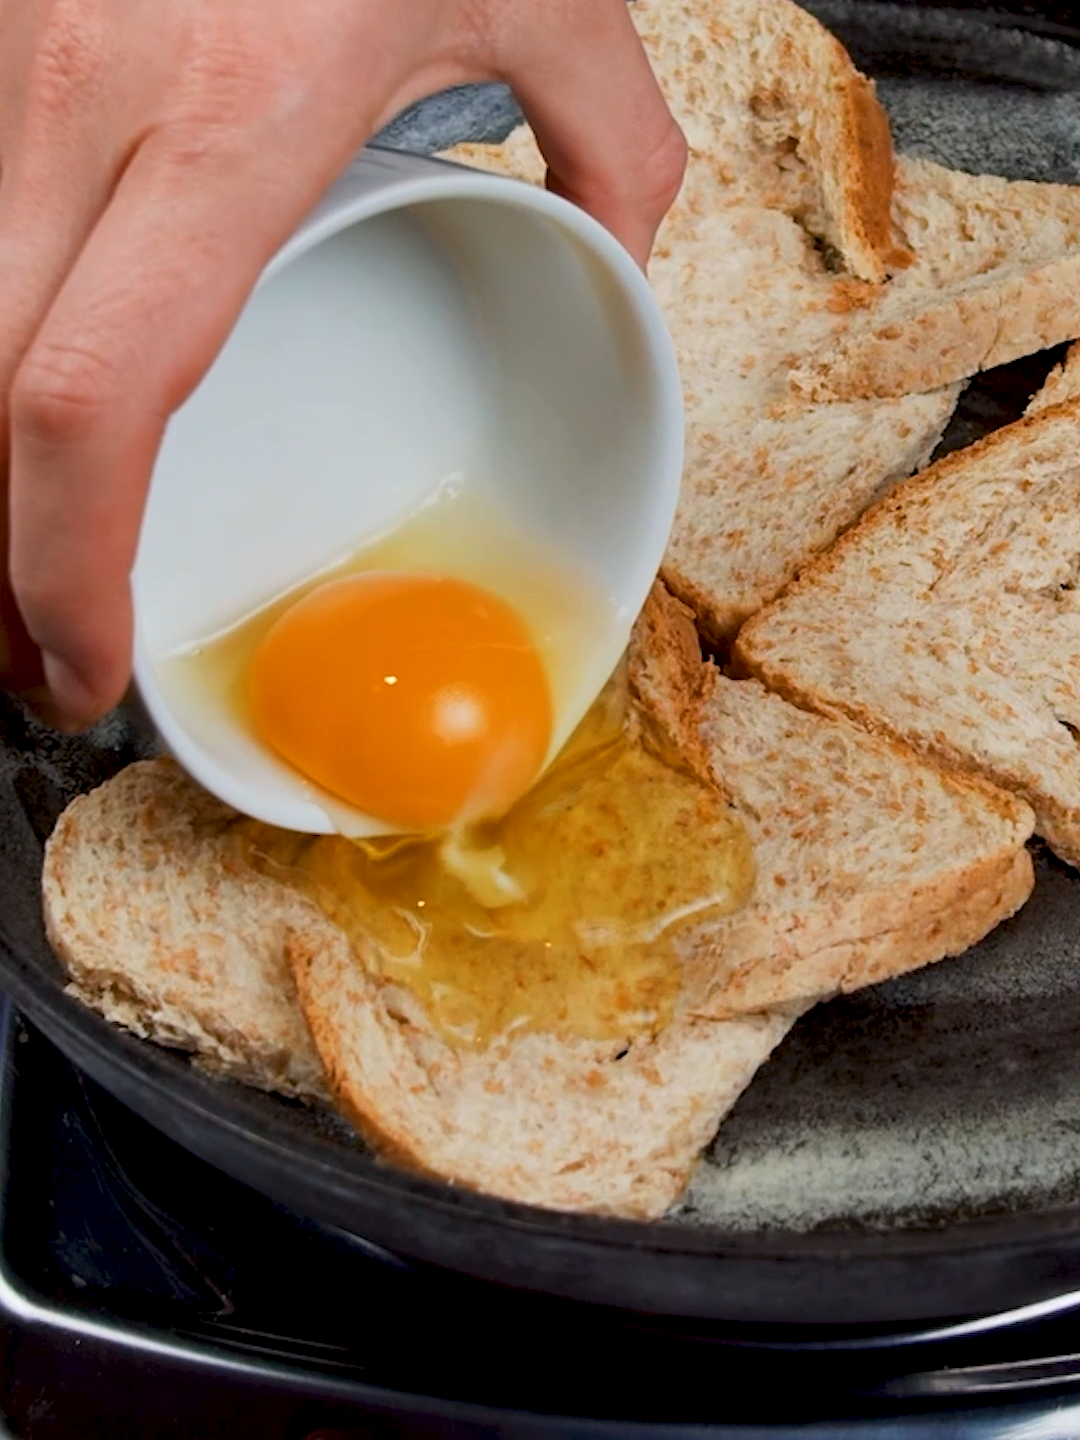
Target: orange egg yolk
420	700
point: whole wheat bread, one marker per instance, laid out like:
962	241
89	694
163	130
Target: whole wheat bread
1060	385
950	617
868	863
163	932
768	95
996	277
788	148
779	352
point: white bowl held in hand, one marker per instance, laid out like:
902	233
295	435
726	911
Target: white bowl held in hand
431	335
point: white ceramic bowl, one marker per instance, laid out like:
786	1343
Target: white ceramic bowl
426	319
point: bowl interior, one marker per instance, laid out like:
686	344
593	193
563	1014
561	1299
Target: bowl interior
483	341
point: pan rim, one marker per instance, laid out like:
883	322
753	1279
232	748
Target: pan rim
178	1082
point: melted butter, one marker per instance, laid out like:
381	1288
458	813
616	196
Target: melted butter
559	917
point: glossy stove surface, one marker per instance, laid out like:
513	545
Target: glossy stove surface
145	1294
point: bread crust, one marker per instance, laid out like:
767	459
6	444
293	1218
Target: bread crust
783	230
996	277
958	571
612	1127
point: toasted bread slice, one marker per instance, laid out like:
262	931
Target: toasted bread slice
164	932
950	617
996	277
566	1123
787	146
773	108
868	863
1060	385
765	93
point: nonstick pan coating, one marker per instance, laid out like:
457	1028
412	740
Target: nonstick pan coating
912	1153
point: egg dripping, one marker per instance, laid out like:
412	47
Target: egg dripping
571	915
548	870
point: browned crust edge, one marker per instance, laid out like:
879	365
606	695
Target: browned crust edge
872	179
302	957
896	505
903	495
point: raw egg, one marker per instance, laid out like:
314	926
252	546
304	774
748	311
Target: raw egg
423	679
511	855
419	699
572	914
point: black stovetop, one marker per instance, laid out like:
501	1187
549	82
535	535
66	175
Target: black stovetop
143	1293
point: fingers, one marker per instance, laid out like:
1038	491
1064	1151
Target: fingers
41	233
147	306
587	89
58	120
122	272
127	289
65	136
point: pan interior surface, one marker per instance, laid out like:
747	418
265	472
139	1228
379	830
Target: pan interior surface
930	1115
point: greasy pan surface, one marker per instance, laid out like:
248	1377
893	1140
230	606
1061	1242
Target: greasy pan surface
911	1153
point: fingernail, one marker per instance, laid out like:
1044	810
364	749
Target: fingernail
67	706
41	705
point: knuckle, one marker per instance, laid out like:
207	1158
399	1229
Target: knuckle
481	25
187	142
68	62
229	78
61	391
663	167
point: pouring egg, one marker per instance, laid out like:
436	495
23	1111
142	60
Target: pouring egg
397	538
421	683
394	548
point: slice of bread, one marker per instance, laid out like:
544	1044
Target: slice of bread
868	863
774	110
768	95
1060	385
564	1123
790	164
163	932
950	617
996	277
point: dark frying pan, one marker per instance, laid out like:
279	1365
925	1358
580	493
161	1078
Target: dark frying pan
912	1153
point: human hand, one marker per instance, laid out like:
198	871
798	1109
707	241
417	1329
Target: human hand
154	154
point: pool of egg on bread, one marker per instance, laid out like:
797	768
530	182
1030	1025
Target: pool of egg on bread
420	681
